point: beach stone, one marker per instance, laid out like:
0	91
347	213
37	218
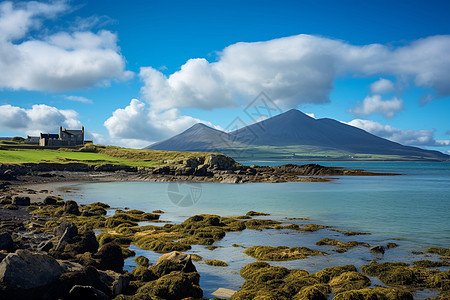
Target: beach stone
173	261
86	292
88	276
50	201
26	270
23	201
59	230
377	249
71	207
111	258
6	242
116	282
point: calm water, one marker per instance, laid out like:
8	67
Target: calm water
413	209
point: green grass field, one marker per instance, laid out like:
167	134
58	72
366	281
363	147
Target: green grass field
96	155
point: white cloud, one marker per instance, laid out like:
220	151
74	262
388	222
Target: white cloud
376	105
294	70
40	118
405	137
382	86
62	61
78	99
137	122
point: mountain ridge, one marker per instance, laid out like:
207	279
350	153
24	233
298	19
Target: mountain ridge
294	134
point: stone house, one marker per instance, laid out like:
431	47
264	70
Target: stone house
66	137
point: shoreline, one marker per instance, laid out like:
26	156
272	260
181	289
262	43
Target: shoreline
52	184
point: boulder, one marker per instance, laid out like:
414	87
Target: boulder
173	286
6	242
71	207
23	201
59	230
377	249
62	286
173	261
45	246
116	282
110	257
26	270
86	292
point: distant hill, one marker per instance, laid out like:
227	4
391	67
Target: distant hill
295	135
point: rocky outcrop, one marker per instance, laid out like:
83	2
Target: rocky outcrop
110	257
173	261
23	201
24	270
71	207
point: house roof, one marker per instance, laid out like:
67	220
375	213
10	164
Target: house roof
49	136
73	132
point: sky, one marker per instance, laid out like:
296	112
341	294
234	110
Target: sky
142	72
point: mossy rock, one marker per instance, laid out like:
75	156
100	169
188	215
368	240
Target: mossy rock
440	251
391	245
216	263
126	252
5	201
280	253
328	274
158	211
349	281
143	274
49	210
161	246
350	233
104	238
430	264
261	224
376	293
174	286
196	257
336	243
311	293
142	261
255	213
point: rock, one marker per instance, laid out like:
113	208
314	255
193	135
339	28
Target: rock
84	242
116	282
220	162
61	228
26	270
142	261
65	239
173	286
173	261
86	292
50	200
111	258
377	249
6	242
71	207
23	201
88	276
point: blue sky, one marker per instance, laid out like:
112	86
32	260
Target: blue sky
138	73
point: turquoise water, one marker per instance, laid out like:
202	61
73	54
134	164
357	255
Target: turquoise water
412	208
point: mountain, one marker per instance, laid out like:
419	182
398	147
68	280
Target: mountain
295	135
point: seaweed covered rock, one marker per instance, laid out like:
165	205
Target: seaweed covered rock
333	242
216	263
376	293
173	261
71	207
314	292
349	281
280	253
142	261
328	274
110	257
174	286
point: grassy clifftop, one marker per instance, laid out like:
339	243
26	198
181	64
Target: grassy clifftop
97	154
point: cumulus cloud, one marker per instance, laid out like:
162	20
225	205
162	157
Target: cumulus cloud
61	61
137	122
405	137
376	105
382	86
40	118
295	70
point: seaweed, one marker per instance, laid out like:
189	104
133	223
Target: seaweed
280	253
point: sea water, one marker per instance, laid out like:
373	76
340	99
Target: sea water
411	210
